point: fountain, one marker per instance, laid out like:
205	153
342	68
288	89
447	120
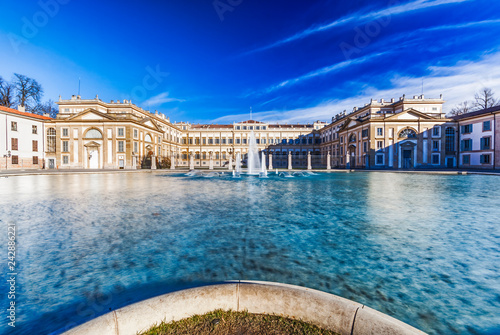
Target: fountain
253	162
237	171
263	171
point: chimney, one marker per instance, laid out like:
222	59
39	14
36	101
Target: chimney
415	97
21	108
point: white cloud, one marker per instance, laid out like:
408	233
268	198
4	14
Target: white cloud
359	18
160	99
457	83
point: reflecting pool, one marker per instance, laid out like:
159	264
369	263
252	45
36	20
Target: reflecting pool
422	248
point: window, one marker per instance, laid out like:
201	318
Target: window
257	141
290	141
14	144
263	141
148	138
183	141
230	141
250	127
223	141
485	159
435	145
216	155
184	156
407	133
244	127
35	145
210	141
34	130
435	159
436	131
466	145
380	145
466	159
237	141
257	127
217	141
341	139
65	159
92	134
263	127
486	143
51	140
352	138
190	141
121	146
65	146
379	159
365	146
135	133
450	139
223	155
15	160
271	141
204	141
244	141
121	132
466	129
486	125
204	155
136	147
380	131
65	132
13	126
238	127
364	133
35	160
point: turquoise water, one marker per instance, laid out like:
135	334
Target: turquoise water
422	248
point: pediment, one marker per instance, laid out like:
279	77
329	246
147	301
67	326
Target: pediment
92	144
149	122
409	115
91	115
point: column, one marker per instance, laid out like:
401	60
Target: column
309	166
328	161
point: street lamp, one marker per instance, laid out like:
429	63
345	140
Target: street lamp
7	156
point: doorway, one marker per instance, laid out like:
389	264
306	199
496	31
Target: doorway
93	159
407	158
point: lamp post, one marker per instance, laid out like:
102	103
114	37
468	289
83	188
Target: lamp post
7	156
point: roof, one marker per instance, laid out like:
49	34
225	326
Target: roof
476	113
15	111
251	121
206	126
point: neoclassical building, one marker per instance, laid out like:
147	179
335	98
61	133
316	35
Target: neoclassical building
402	134
92	134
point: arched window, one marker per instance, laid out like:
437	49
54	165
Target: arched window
450	139
51	140
93	134
148	138
352	138
408	133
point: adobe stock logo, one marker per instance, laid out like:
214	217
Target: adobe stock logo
223	6
31	26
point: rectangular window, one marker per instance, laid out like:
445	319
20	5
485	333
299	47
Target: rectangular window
14	144
204	141
238	127
365	146
121	146
486	143
436	131
34	130
35	145
263	141
380	145
230	141
216	155
190	141
136	147
244	127
435	159
466	159
244	141
217	141
263	127
485	159
466	145
380	131
183	141
121	132
257	141
250	127
237	141
210	141
379	159
364	133
35	160
341	139
466	129
65	159
15	160
257	127
135	133
65	132
223	141
65	146
13	126
486	125
435	145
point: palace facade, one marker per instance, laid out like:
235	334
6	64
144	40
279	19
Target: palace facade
408	133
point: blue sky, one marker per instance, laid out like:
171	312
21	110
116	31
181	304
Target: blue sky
291	61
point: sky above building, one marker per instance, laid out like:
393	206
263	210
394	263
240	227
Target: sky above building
290	61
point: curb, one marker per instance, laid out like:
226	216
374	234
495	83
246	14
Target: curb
325	310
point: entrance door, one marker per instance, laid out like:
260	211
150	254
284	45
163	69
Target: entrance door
407	159
52	163
93	159
449	163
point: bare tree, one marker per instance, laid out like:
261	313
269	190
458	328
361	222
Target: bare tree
28	90
461	108
48	107
485	99
6	93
